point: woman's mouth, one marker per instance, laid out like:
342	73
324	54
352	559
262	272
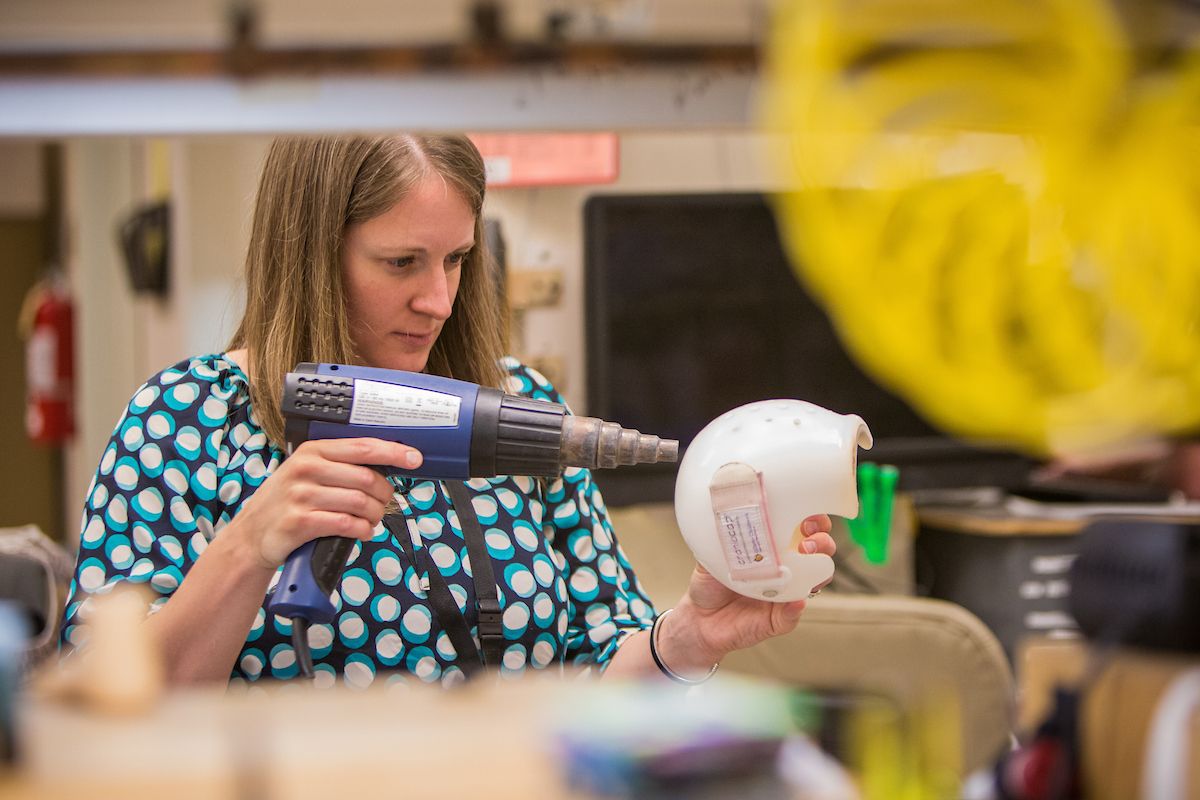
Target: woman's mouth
417	339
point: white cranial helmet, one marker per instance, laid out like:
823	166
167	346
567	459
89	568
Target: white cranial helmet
751	477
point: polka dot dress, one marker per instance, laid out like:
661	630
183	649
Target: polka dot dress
188	452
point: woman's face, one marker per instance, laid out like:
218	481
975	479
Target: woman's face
402	270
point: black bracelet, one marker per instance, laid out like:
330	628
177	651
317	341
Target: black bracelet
663	668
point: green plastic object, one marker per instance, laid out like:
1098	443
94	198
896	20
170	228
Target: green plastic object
876	491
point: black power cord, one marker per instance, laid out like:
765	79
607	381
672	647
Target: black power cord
300	645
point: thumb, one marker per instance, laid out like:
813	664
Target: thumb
789	614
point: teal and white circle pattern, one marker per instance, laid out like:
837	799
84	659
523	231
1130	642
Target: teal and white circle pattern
188	452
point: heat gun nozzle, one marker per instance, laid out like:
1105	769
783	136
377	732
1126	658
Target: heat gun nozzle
591	442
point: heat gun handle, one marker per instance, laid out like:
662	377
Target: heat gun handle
309	576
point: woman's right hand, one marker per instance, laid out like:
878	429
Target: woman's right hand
324	488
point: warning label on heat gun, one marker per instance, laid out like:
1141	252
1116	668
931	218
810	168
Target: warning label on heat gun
377	403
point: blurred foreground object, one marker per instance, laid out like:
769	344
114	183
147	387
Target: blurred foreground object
545	738
13	636
998	203
639	740
118	668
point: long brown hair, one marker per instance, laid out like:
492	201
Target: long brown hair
311	189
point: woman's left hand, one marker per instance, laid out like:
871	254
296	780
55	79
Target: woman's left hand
712	620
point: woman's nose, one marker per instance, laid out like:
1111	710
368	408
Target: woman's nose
433	295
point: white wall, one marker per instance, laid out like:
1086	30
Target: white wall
110	328
217	179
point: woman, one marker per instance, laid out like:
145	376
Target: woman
370	250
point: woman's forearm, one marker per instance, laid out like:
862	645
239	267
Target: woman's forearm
203	627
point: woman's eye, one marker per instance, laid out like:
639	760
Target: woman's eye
403	261
458	258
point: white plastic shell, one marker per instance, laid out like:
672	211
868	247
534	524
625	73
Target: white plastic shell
806	457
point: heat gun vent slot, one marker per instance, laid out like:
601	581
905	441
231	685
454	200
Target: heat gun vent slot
322	408
318	397
321	401
325	387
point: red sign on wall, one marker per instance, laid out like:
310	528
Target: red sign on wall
548	159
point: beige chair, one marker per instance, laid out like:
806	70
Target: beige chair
918	653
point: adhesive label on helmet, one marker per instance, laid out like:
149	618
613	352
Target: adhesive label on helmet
742	525
379	403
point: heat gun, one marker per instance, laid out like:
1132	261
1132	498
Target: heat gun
463	431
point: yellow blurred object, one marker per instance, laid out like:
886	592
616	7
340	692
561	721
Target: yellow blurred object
913	756
998	203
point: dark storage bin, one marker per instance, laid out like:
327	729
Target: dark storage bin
1010	572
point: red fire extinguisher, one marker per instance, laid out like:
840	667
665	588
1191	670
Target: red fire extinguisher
48	325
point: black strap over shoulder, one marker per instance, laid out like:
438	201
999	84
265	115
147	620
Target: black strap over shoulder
441	600
491	626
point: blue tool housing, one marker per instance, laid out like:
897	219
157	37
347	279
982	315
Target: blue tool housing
298	593
446	449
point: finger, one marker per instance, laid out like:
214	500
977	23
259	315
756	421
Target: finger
819	543
367	450
816	524
317	471
315	524
789	615
339	500
707	592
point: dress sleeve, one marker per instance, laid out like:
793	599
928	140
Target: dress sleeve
161	489
605	602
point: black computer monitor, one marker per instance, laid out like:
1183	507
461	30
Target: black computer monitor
694	309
